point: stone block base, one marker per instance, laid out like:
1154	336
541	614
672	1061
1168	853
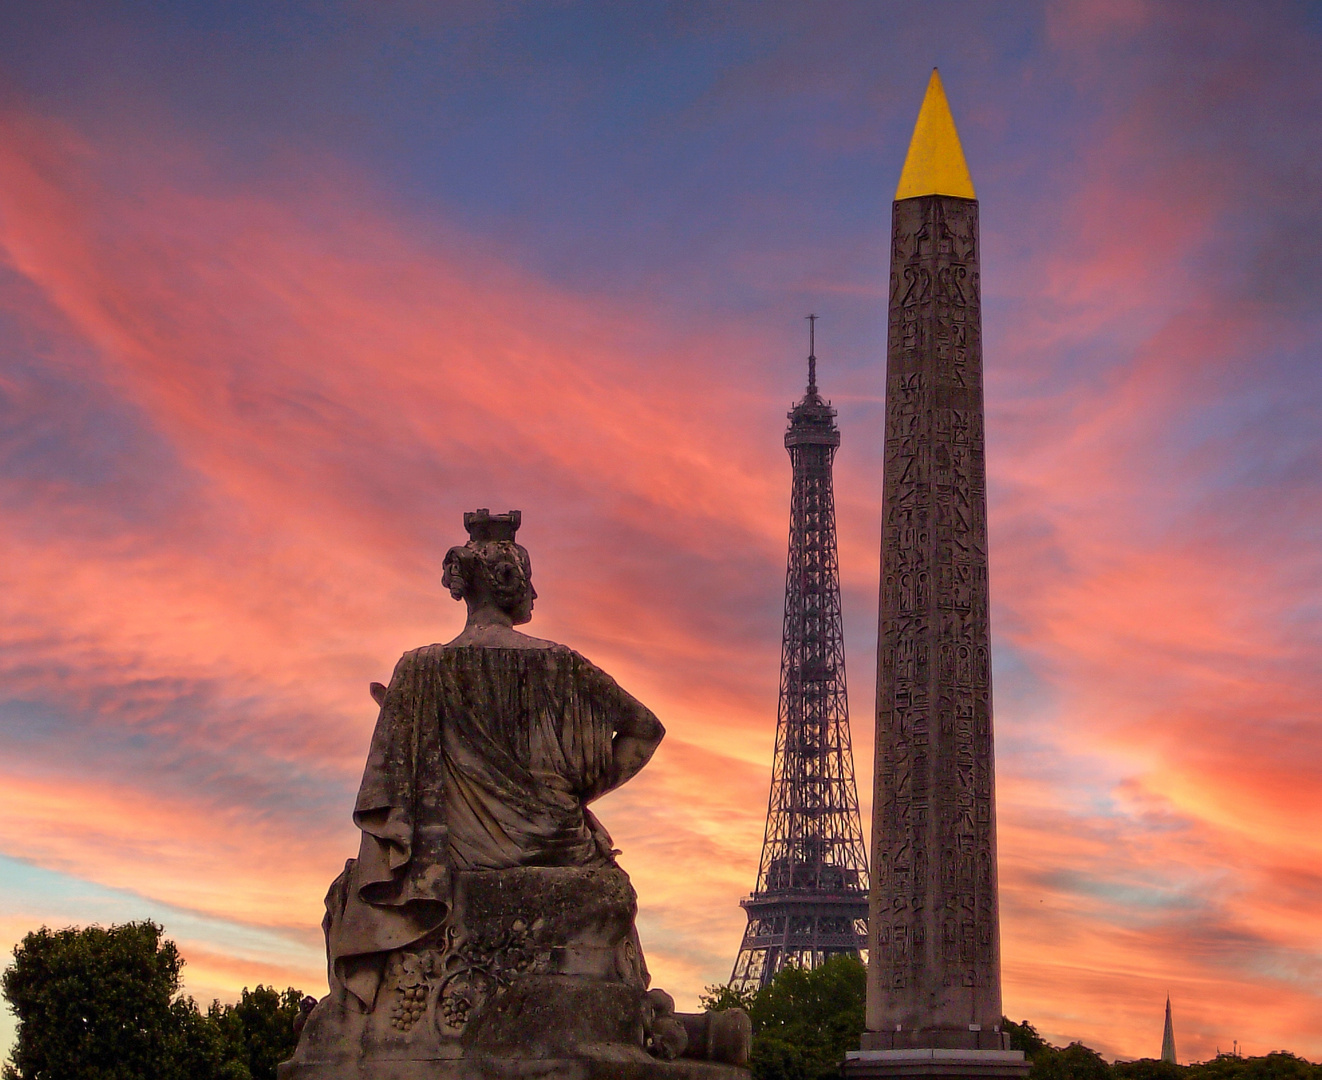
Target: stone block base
933	1064
607	1067
937	1038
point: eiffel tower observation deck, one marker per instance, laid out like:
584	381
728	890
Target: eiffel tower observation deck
811	899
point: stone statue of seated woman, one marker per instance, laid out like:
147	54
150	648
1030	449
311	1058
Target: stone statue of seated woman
485	929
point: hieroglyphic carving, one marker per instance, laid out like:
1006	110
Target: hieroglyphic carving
934	915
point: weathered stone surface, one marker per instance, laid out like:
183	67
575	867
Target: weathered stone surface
485	929
934	977
946	1064
934	950
608	1065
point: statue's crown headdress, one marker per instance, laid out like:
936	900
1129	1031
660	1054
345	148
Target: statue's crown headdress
482	525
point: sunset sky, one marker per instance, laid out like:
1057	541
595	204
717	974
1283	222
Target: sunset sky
284	289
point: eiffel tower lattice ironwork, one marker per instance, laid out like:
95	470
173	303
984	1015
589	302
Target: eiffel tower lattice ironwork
811	899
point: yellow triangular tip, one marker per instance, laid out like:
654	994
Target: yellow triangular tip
935	163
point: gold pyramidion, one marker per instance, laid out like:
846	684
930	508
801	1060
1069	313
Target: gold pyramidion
935	163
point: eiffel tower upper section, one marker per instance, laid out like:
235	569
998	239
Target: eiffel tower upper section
811	896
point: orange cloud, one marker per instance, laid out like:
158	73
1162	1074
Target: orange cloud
308	388
334	399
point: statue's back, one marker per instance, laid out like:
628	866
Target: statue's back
485	926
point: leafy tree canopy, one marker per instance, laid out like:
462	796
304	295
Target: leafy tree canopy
803	1021
104	1004
94	1004
258	1030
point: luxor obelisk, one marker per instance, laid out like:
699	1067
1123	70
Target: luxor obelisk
934	979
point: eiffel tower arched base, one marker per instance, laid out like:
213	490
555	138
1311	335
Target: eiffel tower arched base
798	930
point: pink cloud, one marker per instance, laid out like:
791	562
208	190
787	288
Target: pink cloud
335	383
1161	839
337	396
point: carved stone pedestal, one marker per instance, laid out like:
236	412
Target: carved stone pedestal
933	1064
640	1067
536	975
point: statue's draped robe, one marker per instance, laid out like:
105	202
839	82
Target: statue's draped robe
482	759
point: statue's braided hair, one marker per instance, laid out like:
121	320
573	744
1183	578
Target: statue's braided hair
500	565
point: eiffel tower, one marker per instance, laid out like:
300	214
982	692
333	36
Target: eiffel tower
811	899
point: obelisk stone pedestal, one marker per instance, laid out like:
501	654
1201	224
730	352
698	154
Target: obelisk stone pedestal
920	1064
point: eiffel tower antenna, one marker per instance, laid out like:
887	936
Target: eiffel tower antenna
812	353
811	897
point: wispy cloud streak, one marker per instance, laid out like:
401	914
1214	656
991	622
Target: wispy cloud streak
243	404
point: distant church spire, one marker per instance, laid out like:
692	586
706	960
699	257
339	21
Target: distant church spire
1168	1037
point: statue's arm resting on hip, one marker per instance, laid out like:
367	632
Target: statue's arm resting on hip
637	734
